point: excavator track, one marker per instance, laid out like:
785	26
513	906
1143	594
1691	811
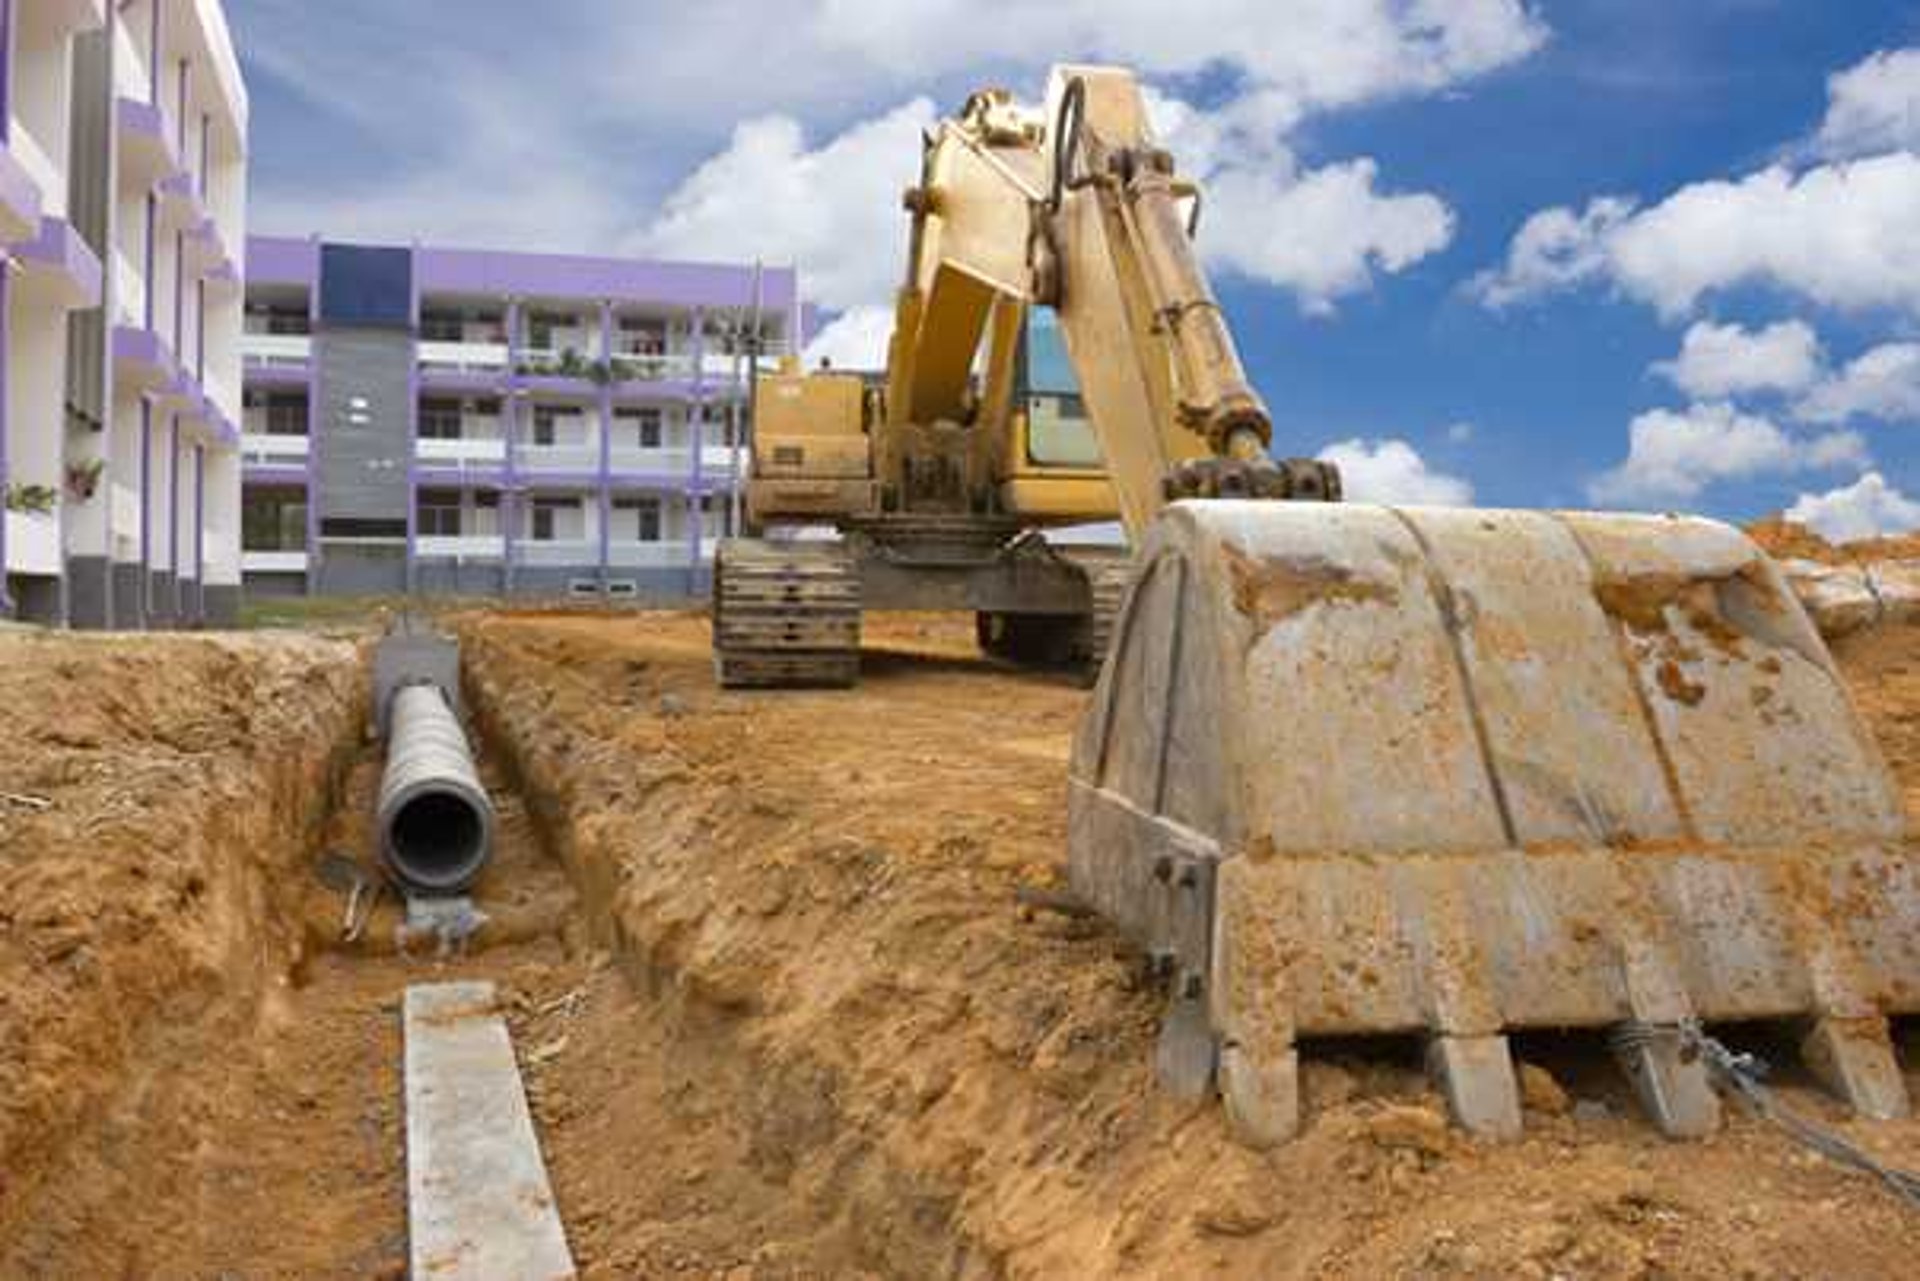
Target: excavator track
1107	579
785	614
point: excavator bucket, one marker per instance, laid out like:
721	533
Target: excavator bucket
1450	773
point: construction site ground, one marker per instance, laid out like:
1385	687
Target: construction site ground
782	1005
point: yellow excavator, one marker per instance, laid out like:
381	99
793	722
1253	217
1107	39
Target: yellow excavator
1347	769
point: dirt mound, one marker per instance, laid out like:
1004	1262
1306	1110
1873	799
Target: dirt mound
829	880
1784	539
134	769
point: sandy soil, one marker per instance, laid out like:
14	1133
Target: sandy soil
780	1007
832	876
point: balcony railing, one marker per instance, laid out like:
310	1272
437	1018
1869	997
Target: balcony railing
294	562
276	349
572	456
666	553
460	547
264	449
33	542
464	357
557	551
462	451
715	460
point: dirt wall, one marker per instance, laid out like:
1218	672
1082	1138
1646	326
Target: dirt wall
158	793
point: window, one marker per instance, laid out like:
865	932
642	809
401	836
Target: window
549	514
644	423
286	414
440	420
544	424
716	515
274	519
437	514
442	326
646	517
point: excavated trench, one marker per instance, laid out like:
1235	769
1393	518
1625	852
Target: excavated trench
778	1004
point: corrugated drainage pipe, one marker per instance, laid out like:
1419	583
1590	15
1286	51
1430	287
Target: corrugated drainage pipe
436	823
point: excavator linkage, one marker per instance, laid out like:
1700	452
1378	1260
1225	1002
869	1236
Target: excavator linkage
1452	773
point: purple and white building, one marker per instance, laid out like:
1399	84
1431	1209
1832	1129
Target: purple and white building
122	216
451	421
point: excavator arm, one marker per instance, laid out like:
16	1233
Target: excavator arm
1078	209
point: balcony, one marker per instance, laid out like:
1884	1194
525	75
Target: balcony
715	460
463	357
281	350
38	165
464	452
573	456
558	552
661	554
147	155
33	543
273	562
260	450
460	547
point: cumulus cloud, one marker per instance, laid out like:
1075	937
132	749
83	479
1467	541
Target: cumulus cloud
1884	384
1323	233
1717	361
1844	235
855	340
1868	508
1554	249
1674	455
1393	472
833	208
1873	106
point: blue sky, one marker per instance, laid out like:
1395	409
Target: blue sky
1402	217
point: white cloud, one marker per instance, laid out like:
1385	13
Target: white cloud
1874	106
1555	249
855	339
1393	472
1868	508
833	209
1716	361
1884	383
1321	234
635	162
1674	455
1843	235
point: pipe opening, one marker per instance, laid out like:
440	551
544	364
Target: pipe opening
437	840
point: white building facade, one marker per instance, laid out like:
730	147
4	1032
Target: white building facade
123	224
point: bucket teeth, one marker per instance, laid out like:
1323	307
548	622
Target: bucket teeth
1184	1058
1262	1097
1672	1086
1854	1058
1476	1074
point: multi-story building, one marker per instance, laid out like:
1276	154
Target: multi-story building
451	421
122	215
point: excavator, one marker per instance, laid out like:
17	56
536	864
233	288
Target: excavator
1347	770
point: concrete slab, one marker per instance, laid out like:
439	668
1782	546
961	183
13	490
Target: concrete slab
478	1201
